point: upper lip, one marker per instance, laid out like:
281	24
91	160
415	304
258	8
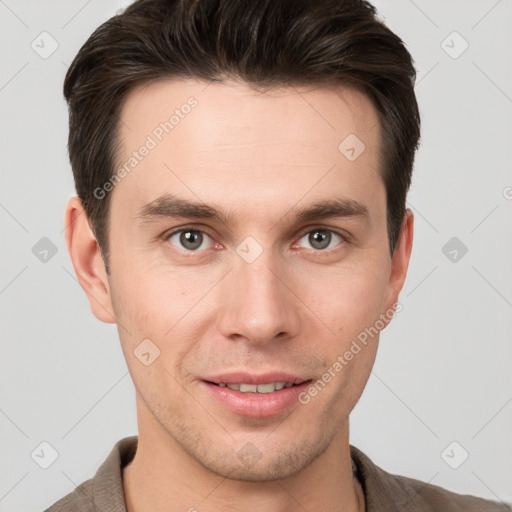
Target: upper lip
252	378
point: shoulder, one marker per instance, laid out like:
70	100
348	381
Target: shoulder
428	497
79	500
387	492
103	492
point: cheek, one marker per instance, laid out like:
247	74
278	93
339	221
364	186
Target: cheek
348	300
149	308
152	299
162	305
350	305
138	304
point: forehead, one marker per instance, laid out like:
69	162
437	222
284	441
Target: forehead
332	110
205	137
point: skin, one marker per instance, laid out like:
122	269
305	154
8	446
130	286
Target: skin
257	157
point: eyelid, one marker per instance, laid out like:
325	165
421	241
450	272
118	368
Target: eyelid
341	233
177	229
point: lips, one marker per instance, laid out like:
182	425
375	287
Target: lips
255	395
269	387
251	378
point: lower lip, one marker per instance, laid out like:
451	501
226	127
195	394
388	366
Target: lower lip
256	405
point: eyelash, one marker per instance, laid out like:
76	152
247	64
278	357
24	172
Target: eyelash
344	238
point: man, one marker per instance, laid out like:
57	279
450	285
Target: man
242	170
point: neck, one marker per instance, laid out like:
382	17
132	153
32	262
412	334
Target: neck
163	477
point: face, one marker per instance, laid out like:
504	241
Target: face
247	247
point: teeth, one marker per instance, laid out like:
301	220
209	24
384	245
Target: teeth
244	388
265	388
257	388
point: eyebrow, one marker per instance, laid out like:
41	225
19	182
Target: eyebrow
332	208
170	206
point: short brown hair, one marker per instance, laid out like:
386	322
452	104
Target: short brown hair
265	43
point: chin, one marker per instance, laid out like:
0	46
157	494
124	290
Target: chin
249	464
261	471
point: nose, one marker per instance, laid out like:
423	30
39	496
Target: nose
259	304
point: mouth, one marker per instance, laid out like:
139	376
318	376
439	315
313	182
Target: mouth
255	396
269	387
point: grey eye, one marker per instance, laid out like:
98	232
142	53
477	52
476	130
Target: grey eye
189	239
320	239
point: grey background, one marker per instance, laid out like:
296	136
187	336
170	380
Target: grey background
443	369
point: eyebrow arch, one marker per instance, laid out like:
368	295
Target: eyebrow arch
170	206
332	208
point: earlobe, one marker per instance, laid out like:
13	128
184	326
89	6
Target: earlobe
87	261
400	259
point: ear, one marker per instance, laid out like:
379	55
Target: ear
400	260
87	261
